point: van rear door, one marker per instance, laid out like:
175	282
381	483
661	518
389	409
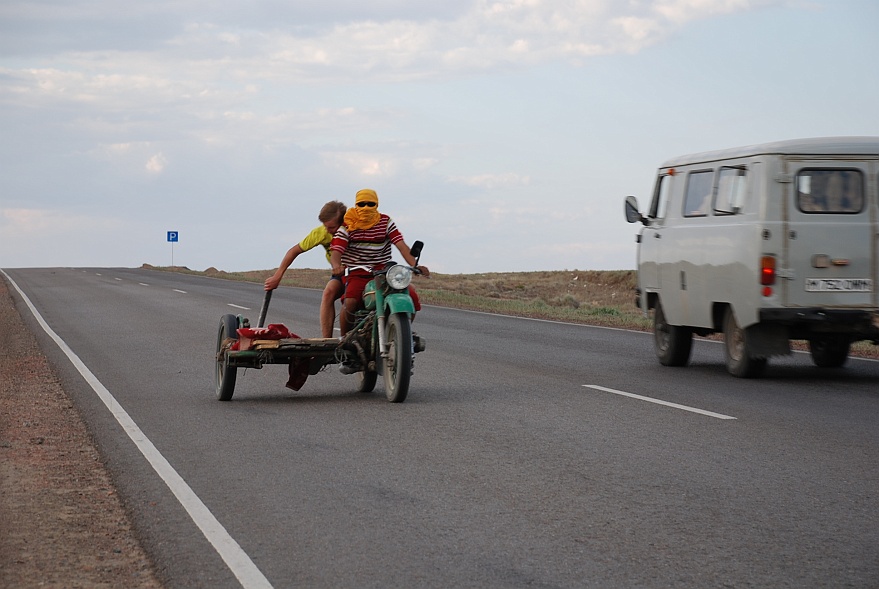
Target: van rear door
829	256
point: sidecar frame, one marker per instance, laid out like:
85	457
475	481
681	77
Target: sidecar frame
320	352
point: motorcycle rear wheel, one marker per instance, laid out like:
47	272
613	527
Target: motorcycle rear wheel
398	364
366	380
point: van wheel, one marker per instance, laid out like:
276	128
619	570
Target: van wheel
830	351
739	361
671	342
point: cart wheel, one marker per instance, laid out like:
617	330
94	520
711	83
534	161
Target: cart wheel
366	380
224	374
398	365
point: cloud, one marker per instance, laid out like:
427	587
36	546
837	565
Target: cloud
179	109
360	163
156	164
381	160
492	181
228	81
33	222
466	37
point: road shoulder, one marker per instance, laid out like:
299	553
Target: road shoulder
62	524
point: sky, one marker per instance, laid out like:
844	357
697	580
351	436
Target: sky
504	134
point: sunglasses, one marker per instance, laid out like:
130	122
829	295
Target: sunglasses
366	204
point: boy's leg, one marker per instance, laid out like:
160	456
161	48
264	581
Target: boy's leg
332	291
354	285
346	317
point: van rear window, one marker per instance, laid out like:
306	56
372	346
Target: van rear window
830	191
731	188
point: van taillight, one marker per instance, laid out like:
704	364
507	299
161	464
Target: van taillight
767	270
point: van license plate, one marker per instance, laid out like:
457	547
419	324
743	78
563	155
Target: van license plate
839	285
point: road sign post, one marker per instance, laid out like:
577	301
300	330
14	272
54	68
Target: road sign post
173	237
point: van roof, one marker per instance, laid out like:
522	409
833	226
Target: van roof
808	146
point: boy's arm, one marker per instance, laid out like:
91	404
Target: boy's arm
336	262
274	280
337	246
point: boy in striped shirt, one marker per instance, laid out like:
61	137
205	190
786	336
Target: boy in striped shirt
362	244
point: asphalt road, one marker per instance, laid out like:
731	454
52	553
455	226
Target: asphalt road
520	458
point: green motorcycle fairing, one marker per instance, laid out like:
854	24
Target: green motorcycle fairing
400	302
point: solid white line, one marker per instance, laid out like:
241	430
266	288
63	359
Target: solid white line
235	558
178	290
658	402
239	307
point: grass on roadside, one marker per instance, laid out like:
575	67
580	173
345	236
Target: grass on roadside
592	297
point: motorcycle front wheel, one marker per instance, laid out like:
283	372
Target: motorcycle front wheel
398	364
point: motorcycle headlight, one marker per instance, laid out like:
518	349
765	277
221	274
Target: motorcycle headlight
399	277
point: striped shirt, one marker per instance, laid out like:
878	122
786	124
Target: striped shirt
367	247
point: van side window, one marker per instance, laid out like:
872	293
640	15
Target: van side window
698	197
660	197
830	191
731	187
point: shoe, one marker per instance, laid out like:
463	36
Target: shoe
419	343
350	368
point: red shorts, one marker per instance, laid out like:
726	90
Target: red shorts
356	281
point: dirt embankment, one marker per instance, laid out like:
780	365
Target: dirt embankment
61	522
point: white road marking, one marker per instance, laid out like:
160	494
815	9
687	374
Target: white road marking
659	402
239	307
143	284
178	290
229	550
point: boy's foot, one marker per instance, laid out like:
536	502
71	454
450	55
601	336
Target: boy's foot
350	368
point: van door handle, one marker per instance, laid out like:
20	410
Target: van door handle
657	235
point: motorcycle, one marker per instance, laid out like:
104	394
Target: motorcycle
382	341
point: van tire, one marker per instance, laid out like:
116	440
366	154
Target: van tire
830	351
671	342
739	361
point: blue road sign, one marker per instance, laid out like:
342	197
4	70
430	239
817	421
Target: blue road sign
172	236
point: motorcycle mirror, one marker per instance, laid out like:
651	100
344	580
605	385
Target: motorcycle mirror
415	250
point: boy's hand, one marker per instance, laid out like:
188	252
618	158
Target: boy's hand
272	283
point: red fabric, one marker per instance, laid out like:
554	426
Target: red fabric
415	300
273	331
298	372
246	335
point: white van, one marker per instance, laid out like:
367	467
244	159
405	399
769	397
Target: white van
766	244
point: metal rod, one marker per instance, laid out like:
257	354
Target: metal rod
265	308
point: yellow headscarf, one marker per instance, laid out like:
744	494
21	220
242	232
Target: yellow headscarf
360	216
